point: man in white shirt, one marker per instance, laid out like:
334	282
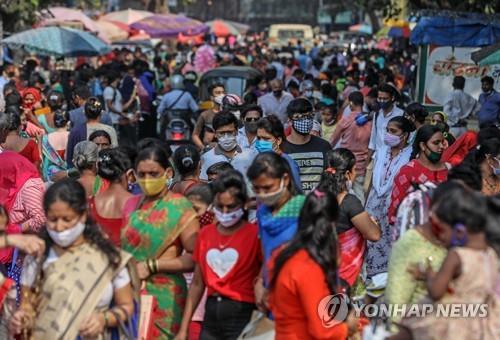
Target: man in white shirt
276	101
458	106
388	110
227	149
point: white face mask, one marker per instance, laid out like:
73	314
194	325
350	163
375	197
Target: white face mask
272	198
227	220
227	142
67	237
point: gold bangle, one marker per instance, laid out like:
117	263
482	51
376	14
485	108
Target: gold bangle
157	265
148	264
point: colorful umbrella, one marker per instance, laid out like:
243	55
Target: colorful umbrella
169	26
224	28
110	31
62	14
128	16
58	41
399	32
363	28
487	55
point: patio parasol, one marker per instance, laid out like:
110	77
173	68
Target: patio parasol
58	41
363	28
63	14
399	32
128	16
169	26
487	55
111	31
224	28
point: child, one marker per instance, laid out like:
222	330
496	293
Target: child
468	274
227	260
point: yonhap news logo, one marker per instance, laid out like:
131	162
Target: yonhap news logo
333	309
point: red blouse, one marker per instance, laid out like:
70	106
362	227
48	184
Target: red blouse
31	152
111	226
413	172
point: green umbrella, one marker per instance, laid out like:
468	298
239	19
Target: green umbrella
493	58
487	55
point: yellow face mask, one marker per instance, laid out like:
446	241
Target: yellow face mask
152	186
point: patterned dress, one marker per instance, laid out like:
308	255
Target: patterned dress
152	228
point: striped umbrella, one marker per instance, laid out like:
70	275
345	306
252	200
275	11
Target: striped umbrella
58	41
128	16
169	26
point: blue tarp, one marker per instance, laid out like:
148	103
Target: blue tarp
456	31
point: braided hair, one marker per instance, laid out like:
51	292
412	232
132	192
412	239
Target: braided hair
334	179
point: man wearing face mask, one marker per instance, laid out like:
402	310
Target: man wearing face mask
307	150
276	102
387	110
248	133
227	149
490	103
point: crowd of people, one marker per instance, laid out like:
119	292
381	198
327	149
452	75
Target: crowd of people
319	180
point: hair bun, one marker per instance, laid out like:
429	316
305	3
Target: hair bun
187	161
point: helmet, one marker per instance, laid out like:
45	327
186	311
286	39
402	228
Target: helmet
191	76
177	82
231	102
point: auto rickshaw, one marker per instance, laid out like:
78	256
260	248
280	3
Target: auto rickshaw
234	78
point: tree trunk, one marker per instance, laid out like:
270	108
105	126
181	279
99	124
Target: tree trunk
373	19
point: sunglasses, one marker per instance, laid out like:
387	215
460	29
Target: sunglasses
251	119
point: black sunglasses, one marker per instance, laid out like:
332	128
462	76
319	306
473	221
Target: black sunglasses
252	119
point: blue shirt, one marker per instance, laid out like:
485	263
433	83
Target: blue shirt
77	117
184	101
490	108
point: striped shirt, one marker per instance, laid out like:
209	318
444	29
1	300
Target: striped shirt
27	209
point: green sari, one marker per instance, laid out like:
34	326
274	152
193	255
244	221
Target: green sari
151	229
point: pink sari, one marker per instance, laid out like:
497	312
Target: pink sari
352	250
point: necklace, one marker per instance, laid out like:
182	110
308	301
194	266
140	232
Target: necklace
224	245
493	188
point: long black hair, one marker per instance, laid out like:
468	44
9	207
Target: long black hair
186	160
424	134
316	235
113	164
334	178
232	181
477	156
72	193
272	165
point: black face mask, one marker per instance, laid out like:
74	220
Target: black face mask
251	127
277	93
11	74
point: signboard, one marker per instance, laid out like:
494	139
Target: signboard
437	67
324	18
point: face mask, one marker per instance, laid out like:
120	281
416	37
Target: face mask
496	171
303	126
206	218
278	93
169	182
433	157
263	145
237	114
67	237
251	127
271	199
308	94
152	186
227	220
384	104
227	142
391	140
349	185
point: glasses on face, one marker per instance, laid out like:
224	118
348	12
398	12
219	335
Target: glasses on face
251	119
299	116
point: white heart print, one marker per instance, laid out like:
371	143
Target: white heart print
221	262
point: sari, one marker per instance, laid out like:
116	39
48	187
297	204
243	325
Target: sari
275	230
52	161
70	291
352	250
151	229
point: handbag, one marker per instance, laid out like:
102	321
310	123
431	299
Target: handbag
148	306
260	327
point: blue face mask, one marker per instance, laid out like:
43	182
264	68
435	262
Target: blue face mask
455	241
263	145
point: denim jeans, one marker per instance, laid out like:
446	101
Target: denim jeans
225	319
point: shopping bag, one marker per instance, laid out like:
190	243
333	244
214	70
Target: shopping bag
148	305
260	327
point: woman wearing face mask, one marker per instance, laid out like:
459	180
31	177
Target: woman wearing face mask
278	211
228	260
81	275
354	225
270	136
387	163
468	275
484	159
160	233
425	166
106	207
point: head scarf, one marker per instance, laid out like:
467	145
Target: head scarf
14	172
36	95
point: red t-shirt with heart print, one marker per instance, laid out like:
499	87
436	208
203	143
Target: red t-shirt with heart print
229	264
